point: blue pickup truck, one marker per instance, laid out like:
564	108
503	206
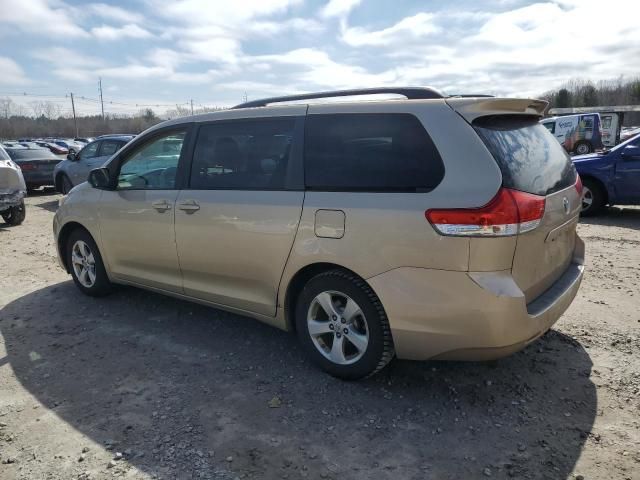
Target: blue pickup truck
611	177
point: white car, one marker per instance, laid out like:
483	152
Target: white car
12	190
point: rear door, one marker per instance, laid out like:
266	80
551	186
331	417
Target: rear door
532	161
236	221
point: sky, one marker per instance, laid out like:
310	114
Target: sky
217	52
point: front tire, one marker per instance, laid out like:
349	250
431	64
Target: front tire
85	264
342	325
15	215
65	185
593	198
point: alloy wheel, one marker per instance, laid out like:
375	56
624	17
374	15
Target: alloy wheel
84	264
587	198
338	327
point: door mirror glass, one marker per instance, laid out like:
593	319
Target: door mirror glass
100	178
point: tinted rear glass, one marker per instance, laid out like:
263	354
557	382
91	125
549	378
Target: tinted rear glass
370	152
529	156
31	154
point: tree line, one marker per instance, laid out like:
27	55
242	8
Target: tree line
584	93
45	119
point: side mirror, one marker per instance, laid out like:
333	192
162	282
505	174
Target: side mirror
100	178
72	156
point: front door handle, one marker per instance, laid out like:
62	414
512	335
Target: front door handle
189	206
161	205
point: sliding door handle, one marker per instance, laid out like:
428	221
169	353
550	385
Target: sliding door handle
189	206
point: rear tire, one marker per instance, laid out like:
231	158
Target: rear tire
593	198
338	306
85	264
583	148
15	215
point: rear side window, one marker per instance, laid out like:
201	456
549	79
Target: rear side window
529	156
243	155
109	147
3	155
370	152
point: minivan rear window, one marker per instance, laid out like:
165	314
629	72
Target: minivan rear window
530	158
370	152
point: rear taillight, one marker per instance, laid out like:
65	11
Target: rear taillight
510	212
578	184
27	166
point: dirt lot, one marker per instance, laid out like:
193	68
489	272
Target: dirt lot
137	385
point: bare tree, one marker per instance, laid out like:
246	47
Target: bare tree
7	107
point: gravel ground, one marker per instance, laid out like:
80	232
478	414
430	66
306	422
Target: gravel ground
137	385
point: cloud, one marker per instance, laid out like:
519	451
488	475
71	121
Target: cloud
111	12
12	73
71	58
414	27
339	8
39	18
131	30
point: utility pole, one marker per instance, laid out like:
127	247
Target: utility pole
75	120
101	102
192	106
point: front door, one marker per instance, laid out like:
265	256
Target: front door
137	218
627	179
236	222
78	170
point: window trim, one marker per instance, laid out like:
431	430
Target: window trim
132	148
416	190
293	180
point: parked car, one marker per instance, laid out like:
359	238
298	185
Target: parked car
629	132
30	145
37	165
54	148
420	228
69	145
611	177
75	169
579	134
83	140
12	190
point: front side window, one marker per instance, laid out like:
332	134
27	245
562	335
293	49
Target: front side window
154	165
242	155
109	147
370	152
551	126
89	151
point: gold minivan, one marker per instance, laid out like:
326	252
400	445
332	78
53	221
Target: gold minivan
422	227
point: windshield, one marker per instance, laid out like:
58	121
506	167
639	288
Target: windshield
31	154
633	141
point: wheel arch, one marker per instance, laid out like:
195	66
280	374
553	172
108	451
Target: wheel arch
300	279
599	182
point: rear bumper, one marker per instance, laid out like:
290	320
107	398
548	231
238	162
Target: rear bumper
437	314
38	178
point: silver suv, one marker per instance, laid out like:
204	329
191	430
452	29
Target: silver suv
429	227
75	169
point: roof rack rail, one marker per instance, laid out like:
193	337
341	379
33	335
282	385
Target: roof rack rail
411	93
471	95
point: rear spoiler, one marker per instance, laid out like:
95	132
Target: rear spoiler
472	108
